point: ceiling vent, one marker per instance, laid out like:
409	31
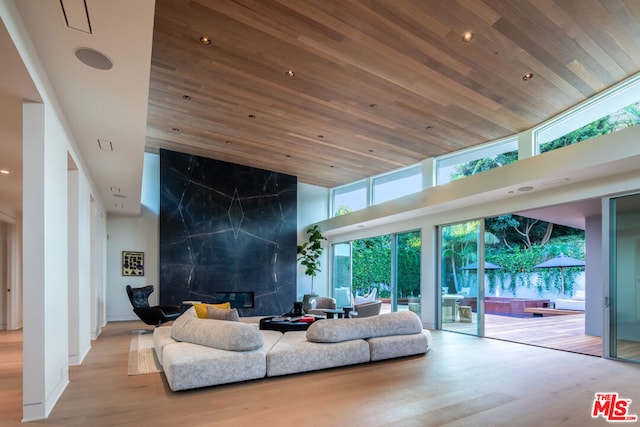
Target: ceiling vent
76	15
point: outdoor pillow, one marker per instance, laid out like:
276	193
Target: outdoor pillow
201	309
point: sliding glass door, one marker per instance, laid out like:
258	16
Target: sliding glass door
405	288
385	268
624	278
342	274
461	277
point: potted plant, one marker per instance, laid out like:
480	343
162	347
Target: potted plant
309	254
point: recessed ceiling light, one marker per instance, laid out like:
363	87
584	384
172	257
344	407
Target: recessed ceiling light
205	41
371	151
527	188
186	97
228	141
4	172
467	36
373	105
252	116
289	73
428	127
288	155
527	76
320	136
175	130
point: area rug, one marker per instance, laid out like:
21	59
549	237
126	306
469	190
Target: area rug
142	356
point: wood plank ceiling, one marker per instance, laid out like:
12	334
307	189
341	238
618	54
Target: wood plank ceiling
378	84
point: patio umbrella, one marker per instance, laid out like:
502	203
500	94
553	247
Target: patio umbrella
487	266
561	261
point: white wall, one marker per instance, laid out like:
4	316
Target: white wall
594	273
4	285
313	206
135	234
45	254
79	248
130	234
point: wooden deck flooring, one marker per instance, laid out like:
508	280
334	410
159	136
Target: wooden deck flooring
557	332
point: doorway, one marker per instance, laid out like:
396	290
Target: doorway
495	289
623	336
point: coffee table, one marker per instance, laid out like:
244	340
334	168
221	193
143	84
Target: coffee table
267	323
331	313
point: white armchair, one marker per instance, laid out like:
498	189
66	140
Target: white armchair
367	298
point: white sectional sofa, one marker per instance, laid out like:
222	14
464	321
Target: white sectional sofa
204	352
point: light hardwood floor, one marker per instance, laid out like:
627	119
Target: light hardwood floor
462	381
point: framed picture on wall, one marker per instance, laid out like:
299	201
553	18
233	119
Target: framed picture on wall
132	263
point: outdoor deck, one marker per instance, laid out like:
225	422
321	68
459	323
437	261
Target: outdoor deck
564	332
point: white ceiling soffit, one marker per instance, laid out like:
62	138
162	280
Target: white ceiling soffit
100	103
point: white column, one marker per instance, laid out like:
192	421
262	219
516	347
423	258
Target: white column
45	278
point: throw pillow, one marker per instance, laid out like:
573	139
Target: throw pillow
231	336
223	314
201	309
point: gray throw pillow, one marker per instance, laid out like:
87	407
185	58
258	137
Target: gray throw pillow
220	334
223	313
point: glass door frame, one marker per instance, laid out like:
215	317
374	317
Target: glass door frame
480	252
394	237
609	247
340	300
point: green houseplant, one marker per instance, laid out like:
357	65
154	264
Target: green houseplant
309	253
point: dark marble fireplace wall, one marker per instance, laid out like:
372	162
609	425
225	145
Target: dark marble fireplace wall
226	228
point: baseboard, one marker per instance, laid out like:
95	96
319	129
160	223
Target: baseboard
41	410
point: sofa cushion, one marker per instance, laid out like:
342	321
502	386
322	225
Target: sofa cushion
220	334
338	330
201	308
188	365
293	353
162	338
223	314
399	345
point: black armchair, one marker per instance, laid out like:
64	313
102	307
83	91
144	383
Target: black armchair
157	315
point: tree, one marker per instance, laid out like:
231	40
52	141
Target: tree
310	251
342	209
602	126
371	264
484	164
408	264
